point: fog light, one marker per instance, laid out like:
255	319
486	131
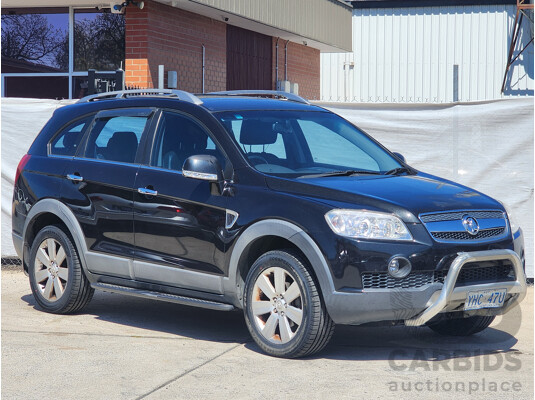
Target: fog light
399	267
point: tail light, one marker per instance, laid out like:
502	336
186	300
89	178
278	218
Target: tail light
22	163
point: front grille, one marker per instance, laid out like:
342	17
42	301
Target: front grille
470	274
452	216
382	280
483	234
474	273
449	226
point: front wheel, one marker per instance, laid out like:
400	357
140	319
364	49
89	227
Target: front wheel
283	309
461	326
56	277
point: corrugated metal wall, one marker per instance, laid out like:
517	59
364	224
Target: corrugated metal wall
408	55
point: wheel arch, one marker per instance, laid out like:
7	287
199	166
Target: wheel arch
269	235
51	212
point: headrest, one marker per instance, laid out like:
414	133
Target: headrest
255	131
122	146
124	138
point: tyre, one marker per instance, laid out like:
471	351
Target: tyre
461	326
284	310
56	277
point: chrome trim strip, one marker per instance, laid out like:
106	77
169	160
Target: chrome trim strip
234	217
101	160
458	211
58	156
450	293
200	175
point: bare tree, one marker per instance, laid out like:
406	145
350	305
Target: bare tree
30	37
99	43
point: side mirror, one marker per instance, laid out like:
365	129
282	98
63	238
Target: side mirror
204	167
400	156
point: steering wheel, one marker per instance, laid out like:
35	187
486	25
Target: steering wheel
256	156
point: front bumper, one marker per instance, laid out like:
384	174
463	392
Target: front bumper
417	306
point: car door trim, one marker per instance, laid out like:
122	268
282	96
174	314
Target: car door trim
178	277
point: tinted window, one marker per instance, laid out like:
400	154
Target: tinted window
178	138
304	143
99	40
116	138
66	142
275	149
328	147
35	41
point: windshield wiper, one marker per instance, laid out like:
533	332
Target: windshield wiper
397	171
349	172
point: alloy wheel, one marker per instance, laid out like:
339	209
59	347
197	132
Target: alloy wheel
277	305
51	271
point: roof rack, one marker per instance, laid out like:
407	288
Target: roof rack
122	94
273	93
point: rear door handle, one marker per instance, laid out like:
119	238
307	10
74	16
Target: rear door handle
75	178
148	192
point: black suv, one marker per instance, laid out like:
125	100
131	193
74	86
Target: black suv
258	201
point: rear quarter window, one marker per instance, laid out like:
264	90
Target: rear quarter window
66	142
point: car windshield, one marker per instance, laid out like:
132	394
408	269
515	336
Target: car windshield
305	144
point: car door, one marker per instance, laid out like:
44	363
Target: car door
99	188
178	221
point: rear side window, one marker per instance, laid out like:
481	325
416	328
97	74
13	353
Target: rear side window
116	138
66	142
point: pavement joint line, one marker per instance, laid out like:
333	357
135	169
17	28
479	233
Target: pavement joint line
186	373
120	336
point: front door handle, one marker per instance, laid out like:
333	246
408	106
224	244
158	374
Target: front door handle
75	178
148	192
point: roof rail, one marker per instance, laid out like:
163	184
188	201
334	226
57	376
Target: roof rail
273	93
122	94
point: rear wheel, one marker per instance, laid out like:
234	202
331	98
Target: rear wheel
283	309
56	277
461	326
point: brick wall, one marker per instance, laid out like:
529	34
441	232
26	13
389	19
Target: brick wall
303	67
161	34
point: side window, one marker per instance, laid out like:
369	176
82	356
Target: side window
116	138
66	142
178	138
329	147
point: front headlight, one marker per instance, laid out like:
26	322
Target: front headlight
511	218
367	225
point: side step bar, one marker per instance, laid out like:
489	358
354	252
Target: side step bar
172	298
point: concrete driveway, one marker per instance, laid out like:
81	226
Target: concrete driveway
126	348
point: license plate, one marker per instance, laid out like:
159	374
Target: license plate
485	299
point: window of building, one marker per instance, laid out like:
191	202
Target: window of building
46	52
98	40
